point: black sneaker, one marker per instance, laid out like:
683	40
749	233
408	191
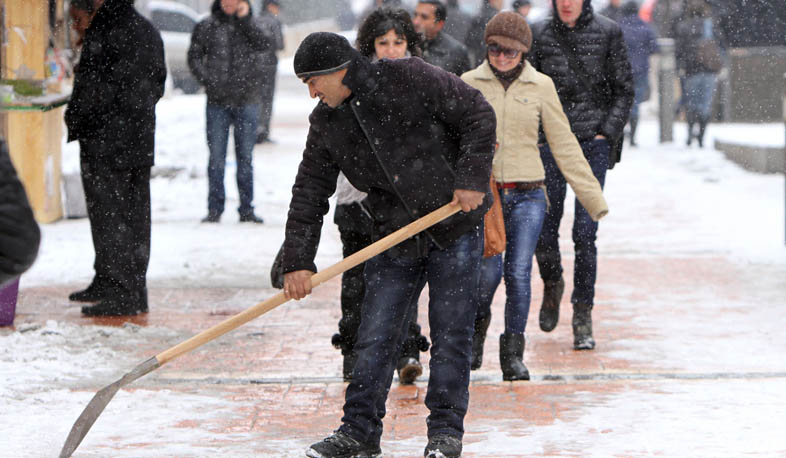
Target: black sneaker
409	369
92	293
212	218
340	445
443	446
251	218
115	307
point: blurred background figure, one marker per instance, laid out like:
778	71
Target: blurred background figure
641	42
458	22
523	7
439	48
699	60
613	10
269	22
474	39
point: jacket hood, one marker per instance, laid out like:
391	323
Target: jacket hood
216	10
584	18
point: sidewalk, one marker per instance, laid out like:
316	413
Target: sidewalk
689	319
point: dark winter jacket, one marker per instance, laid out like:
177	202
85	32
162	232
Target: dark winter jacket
689	35
457	23
409	136
226	56
446	53
19	233
641	42
475	41
118	81
600	47
271	25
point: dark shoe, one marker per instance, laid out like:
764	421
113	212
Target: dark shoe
409	369
478	339
443	446
92	293
549	308
349	365
251	218
115	307
582	327
340	445
511	356
212	218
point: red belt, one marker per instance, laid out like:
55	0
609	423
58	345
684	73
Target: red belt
522	185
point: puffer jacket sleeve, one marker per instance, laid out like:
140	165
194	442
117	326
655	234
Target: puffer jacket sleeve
620	85
19	233
197	52
314	184
568	154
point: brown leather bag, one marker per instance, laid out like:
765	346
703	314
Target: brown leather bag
494	226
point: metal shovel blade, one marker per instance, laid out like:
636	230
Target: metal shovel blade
98	404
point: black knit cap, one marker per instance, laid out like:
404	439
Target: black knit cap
322	53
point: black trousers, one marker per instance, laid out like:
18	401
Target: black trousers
118	207
268	90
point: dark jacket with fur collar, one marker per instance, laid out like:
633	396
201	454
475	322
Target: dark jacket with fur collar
409	136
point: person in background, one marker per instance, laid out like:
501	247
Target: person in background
523	7
698	54
111	113
268	20
585	56
457	22
474	39
641	43
505	79
382	123
386	33
226	56
19	233
81	13
613	10
439	48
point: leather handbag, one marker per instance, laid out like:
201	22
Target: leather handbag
494	226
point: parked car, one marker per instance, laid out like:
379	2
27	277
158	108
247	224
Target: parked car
175	21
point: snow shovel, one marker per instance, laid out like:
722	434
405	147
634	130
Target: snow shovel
102	398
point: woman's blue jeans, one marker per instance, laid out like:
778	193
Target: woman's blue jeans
523	212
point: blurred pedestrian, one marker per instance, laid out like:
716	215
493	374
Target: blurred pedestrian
474	39
523	7
641	43
439	48
386	33
699	59
613	10
506	78
226	56
585	56
457	21
382	124
118	81
269	21
19	233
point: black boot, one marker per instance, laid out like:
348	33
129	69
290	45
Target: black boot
93	293
634	122
582	327
511	355
481	326
408	366
549	308
702	129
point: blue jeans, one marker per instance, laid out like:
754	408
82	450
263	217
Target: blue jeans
523	212
699	89
584	229
391	284
245	119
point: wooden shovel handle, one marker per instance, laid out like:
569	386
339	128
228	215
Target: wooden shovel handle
336	269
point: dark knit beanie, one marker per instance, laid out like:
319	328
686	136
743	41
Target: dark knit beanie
322	53
510	30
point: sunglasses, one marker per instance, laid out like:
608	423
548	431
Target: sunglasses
495	50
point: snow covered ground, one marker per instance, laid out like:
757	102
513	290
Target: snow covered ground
704	205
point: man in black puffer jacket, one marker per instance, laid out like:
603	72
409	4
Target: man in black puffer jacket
585	55
439	48
119	80
414	138
226	56
19	233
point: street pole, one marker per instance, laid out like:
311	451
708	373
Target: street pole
667	72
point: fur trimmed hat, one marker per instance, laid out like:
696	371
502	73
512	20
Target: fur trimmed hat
321	53
510	30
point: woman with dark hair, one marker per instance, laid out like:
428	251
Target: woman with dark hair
387	33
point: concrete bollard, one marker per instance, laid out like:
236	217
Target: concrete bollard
667	74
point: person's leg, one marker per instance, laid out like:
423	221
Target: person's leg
89	151
218	120
391	283
246	120
266	107
490	277
707	91
139	221
452	311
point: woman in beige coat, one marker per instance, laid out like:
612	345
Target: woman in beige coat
523	100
